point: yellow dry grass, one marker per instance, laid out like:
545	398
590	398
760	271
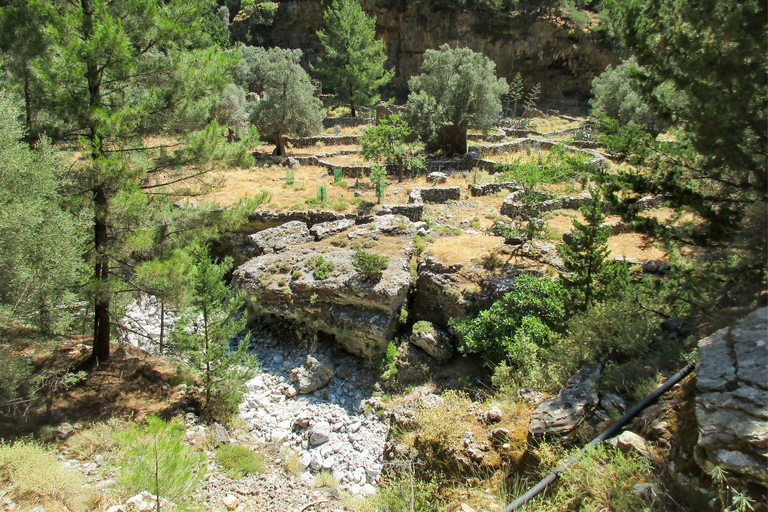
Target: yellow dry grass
552	124
452	250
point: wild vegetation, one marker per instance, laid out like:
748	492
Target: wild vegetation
120	119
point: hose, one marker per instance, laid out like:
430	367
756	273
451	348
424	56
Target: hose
607	434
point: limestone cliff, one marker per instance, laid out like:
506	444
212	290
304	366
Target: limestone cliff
547	51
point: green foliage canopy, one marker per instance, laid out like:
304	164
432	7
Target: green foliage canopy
716	54
353	65
288	104
456	90
390	141
42	243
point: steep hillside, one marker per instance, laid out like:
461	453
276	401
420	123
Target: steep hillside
549	51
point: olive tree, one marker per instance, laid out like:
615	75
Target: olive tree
286	101
456	90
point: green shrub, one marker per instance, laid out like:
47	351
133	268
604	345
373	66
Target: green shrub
369	265
36	477
238	461
322	269
516	328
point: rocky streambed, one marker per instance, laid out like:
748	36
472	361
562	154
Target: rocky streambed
319	402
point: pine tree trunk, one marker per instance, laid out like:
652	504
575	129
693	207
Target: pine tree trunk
101	274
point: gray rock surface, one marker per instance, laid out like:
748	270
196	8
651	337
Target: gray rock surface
315	374
732	398
277	239
435	342
328	229
629	442
361	315
567	410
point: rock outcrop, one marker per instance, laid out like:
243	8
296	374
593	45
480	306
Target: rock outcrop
732	398
318	286
560	415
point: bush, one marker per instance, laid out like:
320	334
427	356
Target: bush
238	461
37	477
369	265
517	327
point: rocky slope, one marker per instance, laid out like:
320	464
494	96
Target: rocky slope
547	51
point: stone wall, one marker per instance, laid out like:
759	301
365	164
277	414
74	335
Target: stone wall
434	195
328	140
487	189
348	122
412	211
516	210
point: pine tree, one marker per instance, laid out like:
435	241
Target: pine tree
119	70
213	318
715	56
353	65
584	256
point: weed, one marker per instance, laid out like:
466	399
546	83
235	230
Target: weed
403	318
422	327
293	463
99	438
238	461
322	268
297	274
326	479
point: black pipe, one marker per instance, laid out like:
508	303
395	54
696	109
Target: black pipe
607	434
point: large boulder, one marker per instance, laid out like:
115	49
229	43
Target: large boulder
732	399
315	374
435	342
562	414
318	287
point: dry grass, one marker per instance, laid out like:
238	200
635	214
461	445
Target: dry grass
348	130
552	124
463	248
36	478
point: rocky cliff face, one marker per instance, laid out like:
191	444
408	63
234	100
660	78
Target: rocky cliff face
563	59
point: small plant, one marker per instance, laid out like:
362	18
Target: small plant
422	327
313	299
388	361
238	461
154	457
326	479
378	177
369	265
403	318
297	274
322	268
420	243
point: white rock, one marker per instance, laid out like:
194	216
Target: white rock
230	502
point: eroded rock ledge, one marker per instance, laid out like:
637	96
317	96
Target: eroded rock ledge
732	398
